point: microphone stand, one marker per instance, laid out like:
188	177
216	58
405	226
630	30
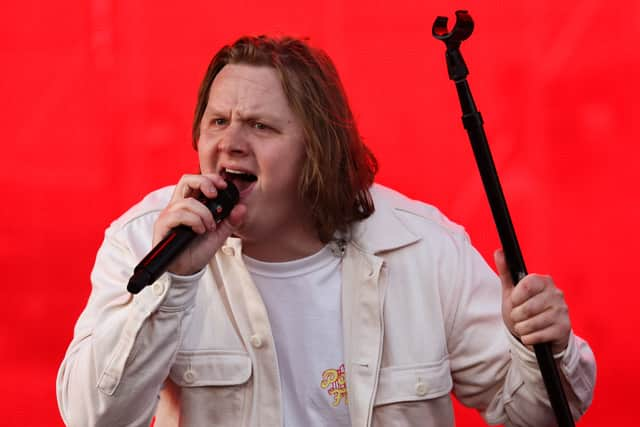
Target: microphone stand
472	121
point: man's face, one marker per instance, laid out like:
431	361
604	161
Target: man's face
250	135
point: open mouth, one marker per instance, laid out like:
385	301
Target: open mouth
243	180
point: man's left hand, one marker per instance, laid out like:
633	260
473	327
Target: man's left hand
535	310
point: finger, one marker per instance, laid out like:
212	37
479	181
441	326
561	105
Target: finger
191	219
211	191
172	219
531	307
557	335
217	180
535	323
197	207
530	286
226	227
194	185
503	269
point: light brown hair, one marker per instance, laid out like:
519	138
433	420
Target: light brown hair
339	168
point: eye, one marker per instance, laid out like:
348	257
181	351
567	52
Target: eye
219	121
260	126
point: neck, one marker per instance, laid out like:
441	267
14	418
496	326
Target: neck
284	248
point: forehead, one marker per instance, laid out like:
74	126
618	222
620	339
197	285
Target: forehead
247	86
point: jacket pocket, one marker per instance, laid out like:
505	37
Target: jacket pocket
414	395
210	368
212	388
413	382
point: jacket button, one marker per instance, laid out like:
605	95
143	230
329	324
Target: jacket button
256	341
421	389
189	376
228	250
157	288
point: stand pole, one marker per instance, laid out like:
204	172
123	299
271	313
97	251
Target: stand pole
473	123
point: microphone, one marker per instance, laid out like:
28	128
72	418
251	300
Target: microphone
157	261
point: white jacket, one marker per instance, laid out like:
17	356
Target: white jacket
421	318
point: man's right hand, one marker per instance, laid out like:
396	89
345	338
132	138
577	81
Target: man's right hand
185	209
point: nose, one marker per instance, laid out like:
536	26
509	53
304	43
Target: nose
234	141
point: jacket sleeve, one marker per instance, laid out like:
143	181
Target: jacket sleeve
123	345
494	372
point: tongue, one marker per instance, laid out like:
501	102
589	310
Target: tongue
240	183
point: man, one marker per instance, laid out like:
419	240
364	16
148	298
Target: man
322	299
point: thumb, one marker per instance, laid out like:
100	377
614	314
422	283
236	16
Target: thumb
503	270
226	227
237	215
507	289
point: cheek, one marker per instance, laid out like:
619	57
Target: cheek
206	156
285	167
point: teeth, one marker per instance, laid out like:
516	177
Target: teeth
238	174
233	171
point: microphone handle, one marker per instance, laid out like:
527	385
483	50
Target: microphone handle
157	261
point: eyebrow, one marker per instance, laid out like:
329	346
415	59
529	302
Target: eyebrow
253	115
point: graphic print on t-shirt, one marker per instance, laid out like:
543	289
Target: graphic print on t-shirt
335	382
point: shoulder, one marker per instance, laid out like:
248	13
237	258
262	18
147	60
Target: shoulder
400	221
151	204
409	211
134	228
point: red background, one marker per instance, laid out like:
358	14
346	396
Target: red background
97	99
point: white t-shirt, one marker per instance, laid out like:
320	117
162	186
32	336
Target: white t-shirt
302	298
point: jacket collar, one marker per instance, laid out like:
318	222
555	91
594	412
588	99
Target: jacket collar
383	230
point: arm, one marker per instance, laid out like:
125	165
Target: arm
495	373
124	345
